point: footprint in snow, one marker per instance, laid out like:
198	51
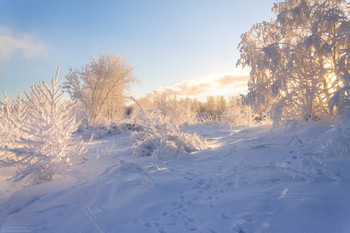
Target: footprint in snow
275	180
147	224
247	219
224	216
200	181
195	198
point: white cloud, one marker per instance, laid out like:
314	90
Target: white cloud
23	43
204	85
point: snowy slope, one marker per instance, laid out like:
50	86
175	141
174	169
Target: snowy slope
254	179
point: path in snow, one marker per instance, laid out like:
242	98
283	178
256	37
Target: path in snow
255	180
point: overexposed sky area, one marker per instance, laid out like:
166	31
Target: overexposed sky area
214	84
184	46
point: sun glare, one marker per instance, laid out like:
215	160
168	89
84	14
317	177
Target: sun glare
331	83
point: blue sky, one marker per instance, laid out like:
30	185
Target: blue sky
167	42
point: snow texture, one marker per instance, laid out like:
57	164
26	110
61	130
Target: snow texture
255	179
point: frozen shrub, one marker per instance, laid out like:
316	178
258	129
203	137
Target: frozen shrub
161	136
155	147
43	142
336	142
12	114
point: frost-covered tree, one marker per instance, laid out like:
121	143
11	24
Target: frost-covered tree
100	87
12	114
340	101
39	129
294	59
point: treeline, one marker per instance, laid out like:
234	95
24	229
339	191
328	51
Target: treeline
213	106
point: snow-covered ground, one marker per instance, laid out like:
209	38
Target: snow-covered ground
255	179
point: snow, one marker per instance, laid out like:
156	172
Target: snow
251	179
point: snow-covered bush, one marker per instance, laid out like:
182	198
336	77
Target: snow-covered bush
340	101
336	142
12	114
343	143
160	135
43	142
148	145
332	144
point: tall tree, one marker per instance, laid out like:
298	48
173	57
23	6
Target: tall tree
100	87
294	58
